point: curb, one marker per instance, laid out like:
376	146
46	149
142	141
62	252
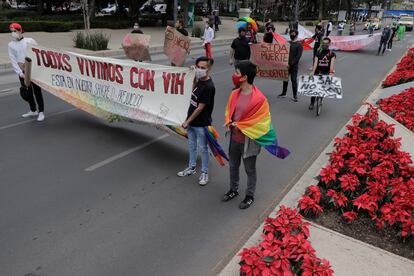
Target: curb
308	178
159	49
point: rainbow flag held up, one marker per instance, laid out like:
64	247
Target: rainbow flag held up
256	122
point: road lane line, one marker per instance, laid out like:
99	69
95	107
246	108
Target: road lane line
32	120
342	58
125	153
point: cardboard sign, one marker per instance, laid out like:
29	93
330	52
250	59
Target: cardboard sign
320	86
271	60
136	46
176	46
112	88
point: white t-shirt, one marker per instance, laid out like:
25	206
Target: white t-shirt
329	27
17	52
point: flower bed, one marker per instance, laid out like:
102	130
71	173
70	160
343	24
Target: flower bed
368	176
285	249
400	107
404	71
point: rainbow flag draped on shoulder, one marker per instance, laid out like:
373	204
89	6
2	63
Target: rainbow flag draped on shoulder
256	123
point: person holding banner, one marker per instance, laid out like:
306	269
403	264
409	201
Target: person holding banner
136	29
317	38
17	53
295	53
324	64
199	117
207	39
179	25
240	48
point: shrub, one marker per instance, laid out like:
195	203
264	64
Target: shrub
309	23
197	31
261	29
91	41
198	18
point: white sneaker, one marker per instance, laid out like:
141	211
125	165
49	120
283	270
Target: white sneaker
186	172
41	117
203	180
30	114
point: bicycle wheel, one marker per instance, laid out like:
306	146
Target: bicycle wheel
318	105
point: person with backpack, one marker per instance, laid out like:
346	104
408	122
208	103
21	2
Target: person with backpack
17	53
385	37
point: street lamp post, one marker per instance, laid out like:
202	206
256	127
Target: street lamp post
244	10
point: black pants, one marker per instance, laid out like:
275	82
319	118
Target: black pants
37	91
383	45
315	50
216	27
293	73
389	46
236	155
328	33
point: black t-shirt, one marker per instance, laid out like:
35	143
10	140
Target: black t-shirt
183	31
137	32
268	38
241	48
203	92
318	38
324	62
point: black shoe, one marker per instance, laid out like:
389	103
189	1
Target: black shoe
229	195
281	96
247	201
311	107
294	99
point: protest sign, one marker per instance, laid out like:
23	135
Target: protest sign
353	42
115	89
271	60
320	86
176	46
136	46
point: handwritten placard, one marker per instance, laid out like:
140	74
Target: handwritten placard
271	60
320	86
176	46
136	46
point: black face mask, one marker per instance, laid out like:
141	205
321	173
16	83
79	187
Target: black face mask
292	37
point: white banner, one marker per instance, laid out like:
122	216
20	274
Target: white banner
320	86
113	89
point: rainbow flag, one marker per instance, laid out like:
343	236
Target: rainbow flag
256	122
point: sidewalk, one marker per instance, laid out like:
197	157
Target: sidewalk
348	256
64	40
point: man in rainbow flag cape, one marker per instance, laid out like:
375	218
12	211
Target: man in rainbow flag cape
249	121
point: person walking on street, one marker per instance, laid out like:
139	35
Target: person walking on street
341	27
385	37
211	19
400	32
251	34
318	39
370	28
248	119
217	21
199	117
324	63
179	26
295	53
352	28
240	48
207	39
136	29
269	30
17	53
393	31
329	28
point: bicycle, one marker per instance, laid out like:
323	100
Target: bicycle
318	105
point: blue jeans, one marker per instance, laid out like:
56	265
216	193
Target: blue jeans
196	135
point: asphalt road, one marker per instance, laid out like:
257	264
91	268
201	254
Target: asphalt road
79	196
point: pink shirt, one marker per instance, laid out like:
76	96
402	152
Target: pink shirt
241	106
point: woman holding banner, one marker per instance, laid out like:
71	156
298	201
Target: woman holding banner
17	53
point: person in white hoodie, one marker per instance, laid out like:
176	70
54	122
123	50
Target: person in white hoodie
17	53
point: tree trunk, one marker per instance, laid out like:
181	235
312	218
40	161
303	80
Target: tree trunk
210	6
321	6
40	6
185	12
349	9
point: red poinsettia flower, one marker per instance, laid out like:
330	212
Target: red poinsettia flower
350	216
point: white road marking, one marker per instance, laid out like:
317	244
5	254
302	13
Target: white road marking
342	58
125	153
32	120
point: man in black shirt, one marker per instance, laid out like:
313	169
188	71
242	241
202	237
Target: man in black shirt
269	30
199	117
324	63
136	29
240	48
385	37
295	53
179	25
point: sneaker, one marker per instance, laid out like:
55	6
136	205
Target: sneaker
294	99
186	172
247	201
281	96
229	195
41	117
203	179
311	107
389	50
30	114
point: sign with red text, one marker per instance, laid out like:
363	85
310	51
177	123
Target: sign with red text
271	60
353	42
176	46
115	89
136	46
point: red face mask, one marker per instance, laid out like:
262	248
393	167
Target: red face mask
236	80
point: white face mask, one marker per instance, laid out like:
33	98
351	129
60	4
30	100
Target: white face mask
15	35
200	73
